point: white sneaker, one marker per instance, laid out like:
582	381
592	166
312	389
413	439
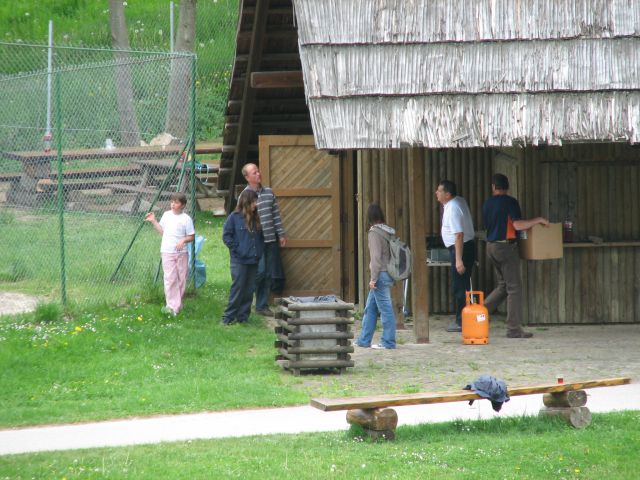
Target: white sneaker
377	346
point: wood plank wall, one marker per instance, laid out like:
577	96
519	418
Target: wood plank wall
383	179
597	186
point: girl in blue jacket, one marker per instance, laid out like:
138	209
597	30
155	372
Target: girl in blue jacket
242	234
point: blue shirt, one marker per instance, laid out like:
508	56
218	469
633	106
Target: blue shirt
496	211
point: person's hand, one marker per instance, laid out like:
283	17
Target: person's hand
460	267
372	285
283	241
543	221
150	217
179	245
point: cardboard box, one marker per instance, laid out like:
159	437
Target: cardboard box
541	243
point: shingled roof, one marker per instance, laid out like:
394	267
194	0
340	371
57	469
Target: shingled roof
442	73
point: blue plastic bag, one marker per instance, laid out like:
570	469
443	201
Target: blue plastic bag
201	270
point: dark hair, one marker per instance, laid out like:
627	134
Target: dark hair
375	214
449	187
179	197
500	181
246	199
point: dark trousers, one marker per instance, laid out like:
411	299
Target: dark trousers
243	281
505	258
265	274
461	283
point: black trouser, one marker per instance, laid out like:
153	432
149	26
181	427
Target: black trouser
461	283
243	282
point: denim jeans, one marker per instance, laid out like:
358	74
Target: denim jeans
265	272
241	293
379	304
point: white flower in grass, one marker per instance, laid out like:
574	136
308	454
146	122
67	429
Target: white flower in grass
160	32
124	4
27	14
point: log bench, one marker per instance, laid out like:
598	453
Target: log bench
566	401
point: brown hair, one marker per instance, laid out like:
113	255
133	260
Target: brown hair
251	219
375	214
179	197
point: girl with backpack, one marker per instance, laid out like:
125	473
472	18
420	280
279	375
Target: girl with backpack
379	302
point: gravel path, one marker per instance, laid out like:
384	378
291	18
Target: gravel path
12	303
578	352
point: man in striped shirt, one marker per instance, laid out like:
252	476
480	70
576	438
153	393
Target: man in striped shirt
273	231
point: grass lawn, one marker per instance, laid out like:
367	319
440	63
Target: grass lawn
108	362
512	448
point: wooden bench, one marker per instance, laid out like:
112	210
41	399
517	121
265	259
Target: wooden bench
566	400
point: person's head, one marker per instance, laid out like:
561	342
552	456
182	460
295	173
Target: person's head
499	183
247	207
252	175
178	201
446	191
375	214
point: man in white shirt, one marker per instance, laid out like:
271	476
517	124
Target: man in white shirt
457	235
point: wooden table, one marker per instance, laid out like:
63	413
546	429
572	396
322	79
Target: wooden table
36	164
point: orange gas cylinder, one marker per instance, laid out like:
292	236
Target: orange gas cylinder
475	321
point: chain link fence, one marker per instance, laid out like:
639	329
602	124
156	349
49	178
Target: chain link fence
88	146
86	24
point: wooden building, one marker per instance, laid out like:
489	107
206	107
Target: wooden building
402	94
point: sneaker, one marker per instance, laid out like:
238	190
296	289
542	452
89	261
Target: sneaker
379	346
521	334
356	344
454	327
265	312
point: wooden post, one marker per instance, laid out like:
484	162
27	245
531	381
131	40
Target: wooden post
569	405
419	279
575	398
577	417
379	424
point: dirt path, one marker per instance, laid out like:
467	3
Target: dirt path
578	352
12	303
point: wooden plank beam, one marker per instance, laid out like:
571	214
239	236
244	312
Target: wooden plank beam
282	79
248	97
379	401
419	276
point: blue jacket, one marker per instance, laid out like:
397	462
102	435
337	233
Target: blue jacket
244	246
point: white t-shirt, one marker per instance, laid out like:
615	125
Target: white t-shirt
456	219
175	228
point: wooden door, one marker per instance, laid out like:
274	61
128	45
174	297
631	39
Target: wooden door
306	182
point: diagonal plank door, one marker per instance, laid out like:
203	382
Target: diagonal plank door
306	182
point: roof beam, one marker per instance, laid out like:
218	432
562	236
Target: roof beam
284	79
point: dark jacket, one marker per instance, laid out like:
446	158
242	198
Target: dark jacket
245	247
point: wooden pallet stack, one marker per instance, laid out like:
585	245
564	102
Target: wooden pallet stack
314	335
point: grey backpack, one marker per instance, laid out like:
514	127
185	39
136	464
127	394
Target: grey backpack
399	266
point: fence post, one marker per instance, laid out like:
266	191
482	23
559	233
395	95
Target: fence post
193	164
63	272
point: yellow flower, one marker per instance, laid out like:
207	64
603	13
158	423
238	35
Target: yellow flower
78	328
577	470
139	318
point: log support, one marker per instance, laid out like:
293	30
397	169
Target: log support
569	406
378	424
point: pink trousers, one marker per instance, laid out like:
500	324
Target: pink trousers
175	267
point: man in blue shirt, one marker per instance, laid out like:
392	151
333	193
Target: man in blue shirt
502	218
